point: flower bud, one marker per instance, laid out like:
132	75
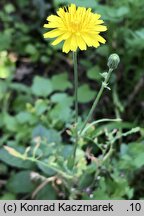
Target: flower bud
113	61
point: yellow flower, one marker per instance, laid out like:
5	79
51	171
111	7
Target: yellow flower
77	27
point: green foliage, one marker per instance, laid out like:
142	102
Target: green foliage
94	73
83	3
60	82
20	183
41	87
62	99
50	134
85	94
47	193
13	161
8	196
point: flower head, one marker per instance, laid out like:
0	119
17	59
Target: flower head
77	27
113	61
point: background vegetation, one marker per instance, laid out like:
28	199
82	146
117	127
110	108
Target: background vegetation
36	98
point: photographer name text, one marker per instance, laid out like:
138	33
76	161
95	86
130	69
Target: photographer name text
61	207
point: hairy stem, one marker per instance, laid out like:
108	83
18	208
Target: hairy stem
76	103
104	84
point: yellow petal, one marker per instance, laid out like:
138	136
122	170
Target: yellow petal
88	40
95	43
100	28
58	40
72	8
81	11
91	39
81	43
66	46
49	25
61	38
52	34
73	43
101	39
54	22
89	10
53	18
61	12
53	25
97	16
99	22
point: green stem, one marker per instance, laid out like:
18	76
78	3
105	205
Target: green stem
76	103
96	100
108	155
99	121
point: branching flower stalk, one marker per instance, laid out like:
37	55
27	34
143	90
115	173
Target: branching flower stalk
107	156
113	62
98	121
